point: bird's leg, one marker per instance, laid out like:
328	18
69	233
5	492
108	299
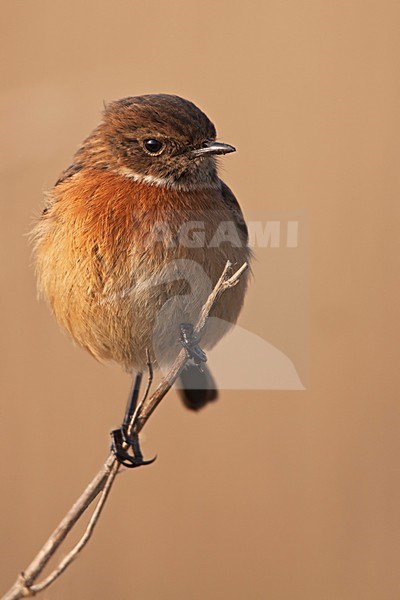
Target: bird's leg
132	402
139	405
191	344
122	440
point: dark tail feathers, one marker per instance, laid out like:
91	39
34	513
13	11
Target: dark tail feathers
197	388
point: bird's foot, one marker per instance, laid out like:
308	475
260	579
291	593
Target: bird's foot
127	449
191	344
125	446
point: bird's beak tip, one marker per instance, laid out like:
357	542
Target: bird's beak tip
214	148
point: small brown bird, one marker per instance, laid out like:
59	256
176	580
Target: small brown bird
135	234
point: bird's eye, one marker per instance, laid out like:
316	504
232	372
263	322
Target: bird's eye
153	146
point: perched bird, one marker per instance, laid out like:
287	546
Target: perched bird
135	234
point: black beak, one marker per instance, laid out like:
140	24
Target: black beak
213	148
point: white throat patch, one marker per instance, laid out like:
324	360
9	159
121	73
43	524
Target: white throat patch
169	182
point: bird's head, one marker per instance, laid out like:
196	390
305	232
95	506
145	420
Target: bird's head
160	139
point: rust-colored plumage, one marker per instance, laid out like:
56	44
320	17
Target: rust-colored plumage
132	241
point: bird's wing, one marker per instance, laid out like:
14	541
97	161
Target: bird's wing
233	205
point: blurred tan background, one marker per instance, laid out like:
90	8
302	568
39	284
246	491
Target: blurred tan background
281	495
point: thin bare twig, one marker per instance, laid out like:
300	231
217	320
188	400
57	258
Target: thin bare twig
25	584
67	560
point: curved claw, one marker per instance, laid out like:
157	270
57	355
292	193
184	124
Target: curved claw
130	462
149	461
122	455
